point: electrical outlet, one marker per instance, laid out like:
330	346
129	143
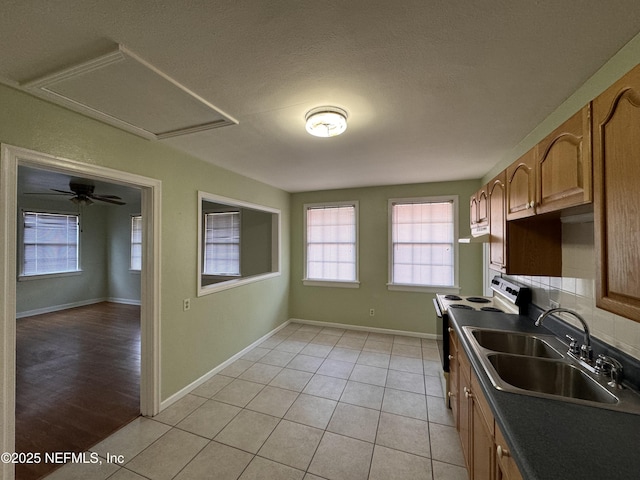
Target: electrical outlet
186	304
372	312
554	304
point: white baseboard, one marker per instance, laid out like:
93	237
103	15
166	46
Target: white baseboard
82	303
57	308
347	326
124	301
195	384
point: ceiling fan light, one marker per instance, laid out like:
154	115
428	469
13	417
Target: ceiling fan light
81	201
326	121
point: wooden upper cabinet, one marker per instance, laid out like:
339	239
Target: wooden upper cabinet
473	211
616	161
483	207
564	165
521	187
496	194
479	212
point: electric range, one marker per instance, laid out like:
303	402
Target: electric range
508	297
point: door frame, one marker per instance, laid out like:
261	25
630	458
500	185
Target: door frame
10	158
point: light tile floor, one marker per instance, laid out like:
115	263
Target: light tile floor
307	403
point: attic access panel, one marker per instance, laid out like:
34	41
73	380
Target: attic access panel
125	91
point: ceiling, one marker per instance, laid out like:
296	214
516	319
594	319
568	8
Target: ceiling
435	90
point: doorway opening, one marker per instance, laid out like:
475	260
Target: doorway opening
12	160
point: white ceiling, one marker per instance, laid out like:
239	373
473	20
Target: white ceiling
435	89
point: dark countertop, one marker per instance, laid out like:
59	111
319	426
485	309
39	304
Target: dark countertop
552	438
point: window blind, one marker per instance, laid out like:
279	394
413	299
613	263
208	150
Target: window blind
50	243
136	242
222	244
331	243
422	243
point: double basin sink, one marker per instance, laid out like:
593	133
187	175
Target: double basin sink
533	364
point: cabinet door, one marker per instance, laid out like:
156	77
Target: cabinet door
616	158
521	187
473	211
564	165
453	376
497	222
482	428
482	448
506	468
464	407
483	207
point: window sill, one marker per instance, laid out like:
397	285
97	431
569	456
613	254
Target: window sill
43	276
330	283
422	288
218	287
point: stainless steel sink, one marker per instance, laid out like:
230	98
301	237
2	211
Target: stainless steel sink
548	377
516	343
532	364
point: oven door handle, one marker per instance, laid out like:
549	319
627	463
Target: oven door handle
437	306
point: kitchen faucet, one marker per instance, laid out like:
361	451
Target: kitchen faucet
586	354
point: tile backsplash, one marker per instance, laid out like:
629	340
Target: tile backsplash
576	290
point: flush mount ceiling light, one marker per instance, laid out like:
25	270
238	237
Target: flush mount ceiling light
326	121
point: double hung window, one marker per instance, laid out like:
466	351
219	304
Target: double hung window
222	244
423	242
50	243
331	244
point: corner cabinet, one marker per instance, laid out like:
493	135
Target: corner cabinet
616	161
564	165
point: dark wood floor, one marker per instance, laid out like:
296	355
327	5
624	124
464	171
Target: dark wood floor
77	379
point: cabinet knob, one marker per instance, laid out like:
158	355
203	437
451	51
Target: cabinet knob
502	452
449	329
450	394
451	357
467	393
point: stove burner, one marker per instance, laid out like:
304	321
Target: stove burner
490	309
452	297
478	300
459	305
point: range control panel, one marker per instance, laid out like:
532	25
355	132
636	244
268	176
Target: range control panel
513	292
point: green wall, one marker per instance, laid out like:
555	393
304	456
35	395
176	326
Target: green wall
407	311
218	325
124	284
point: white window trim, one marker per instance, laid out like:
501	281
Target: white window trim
276	238
39	276
455	288
314	282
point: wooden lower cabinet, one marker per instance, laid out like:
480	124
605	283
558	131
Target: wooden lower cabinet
453	375
485	450
506	468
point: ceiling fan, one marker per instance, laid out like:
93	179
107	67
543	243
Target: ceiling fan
82	194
